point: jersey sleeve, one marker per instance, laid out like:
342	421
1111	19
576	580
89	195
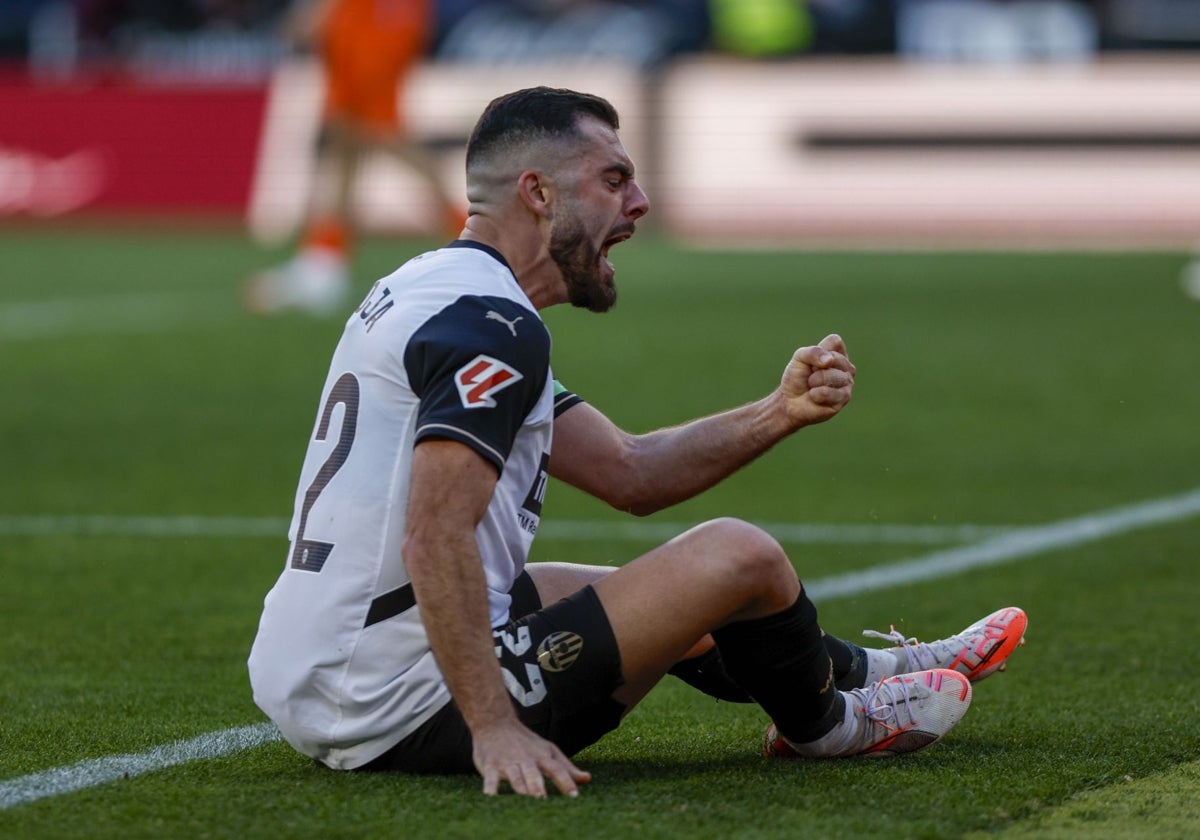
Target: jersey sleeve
478	368
563	398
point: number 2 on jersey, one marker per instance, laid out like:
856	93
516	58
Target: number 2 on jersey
310	555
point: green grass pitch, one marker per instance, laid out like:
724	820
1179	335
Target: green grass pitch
153	436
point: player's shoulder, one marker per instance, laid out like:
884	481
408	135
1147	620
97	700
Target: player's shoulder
461	269
471	261
475	291
464	289
462	301
494	324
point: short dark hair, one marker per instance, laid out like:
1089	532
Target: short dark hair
536	112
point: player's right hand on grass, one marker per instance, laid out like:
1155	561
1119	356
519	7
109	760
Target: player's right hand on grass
509	752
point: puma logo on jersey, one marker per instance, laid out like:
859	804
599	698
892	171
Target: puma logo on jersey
493	315
480	379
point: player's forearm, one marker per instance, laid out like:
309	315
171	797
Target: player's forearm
645	473
449	585
674	464
450	489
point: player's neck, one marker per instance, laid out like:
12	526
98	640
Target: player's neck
536	272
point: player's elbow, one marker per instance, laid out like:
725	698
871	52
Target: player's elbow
633	488
619	473
422	553
642	507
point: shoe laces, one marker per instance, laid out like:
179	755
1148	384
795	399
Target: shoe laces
914	649
883	701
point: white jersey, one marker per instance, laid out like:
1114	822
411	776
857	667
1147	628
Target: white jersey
448	346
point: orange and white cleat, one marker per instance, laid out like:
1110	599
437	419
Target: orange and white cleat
977	652
897	715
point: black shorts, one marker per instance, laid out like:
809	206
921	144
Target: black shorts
561	666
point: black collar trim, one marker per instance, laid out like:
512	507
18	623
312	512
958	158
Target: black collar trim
487	249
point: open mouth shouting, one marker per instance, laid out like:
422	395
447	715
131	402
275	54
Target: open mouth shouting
621	234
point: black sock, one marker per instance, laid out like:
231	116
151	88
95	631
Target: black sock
781	661
849	663
707	673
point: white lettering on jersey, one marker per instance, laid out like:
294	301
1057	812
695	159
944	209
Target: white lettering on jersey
482	378
537	688
517	646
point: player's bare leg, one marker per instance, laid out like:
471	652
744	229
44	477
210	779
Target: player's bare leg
732	579
317	277
342	148
665	602
555	581
977	652
409	153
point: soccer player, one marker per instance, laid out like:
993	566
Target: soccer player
367	49
406	632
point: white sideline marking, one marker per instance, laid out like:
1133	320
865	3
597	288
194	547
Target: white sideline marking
868	533
143	526
1005	548
104	314
566	530
98	771
1014	545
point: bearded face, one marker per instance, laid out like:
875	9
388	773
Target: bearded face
589	286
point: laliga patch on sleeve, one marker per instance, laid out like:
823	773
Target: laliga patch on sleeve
480	379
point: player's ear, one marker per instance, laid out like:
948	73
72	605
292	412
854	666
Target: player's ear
536	191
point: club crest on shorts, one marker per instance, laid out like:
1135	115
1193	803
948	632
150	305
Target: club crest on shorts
559	650
481	379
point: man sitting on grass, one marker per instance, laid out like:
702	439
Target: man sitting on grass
406	631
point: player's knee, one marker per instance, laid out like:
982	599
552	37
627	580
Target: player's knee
748	553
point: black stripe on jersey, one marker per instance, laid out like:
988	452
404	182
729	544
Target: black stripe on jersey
564	401
479	246
442	430
478	367
391	604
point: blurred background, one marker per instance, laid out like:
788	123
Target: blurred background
992	201
238	40
927	123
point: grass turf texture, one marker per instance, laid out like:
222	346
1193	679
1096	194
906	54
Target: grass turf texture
993	389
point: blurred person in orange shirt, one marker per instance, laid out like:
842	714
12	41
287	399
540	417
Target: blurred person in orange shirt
367	49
